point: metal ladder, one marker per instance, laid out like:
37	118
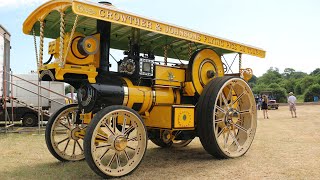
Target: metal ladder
30	107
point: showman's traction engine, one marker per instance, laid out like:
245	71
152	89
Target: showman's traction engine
169	86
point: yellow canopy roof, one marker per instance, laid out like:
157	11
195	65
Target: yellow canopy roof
152	32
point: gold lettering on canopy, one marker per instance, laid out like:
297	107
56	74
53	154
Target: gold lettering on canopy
119	17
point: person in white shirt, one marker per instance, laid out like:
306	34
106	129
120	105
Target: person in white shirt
292	104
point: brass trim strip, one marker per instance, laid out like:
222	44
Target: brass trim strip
126	95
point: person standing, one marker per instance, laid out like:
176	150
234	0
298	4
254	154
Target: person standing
264	106
292	104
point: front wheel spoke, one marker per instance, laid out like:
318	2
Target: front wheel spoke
127	155
112	159
102	137
74	148
239	97
79	145
118	160
128	130
114	123
104	154
64	125
69	120
241	128
65	148
131	148
133	139
109	129
124	125
63	140
102	146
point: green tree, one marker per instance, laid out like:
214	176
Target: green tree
271	76
315	72
298	75
313	90
288	72
306	82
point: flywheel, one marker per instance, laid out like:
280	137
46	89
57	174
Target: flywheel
204	65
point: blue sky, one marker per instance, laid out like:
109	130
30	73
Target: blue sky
288	29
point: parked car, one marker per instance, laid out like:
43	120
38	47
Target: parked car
272	104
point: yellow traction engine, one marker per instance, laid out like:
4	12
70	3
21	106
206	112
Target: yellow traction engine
169	86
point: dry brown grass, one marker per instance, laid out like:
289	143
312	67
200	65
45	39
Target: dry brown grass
284	148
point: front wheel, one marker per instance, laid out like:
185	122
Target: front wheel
226	117
61	134
111	150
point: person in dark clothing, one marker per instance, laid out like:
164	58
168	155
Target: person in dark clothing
264	106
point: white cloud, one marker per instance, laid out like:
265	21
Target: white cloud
19	3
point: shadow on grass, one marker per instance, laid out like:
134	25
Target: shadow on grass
156	161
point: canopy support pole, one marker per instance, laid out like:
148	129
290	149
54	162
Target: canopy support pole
62	33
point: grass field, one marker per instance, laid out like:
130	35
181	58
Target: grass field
284	148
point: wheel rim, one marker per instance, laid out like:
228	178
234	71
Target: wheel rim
180	143
115	152
234	118
29	121
64	140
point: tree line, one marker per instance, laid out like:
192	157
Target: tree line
304	86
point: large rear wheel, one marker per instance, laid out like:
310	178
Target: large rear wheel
226	117
112	151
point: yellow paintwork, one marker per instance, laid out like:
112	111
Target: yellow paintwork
160	117
201	64
169	76
41	12
139	94
90	71
183	117
145	96
86	118
114	15
73	55
189	89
